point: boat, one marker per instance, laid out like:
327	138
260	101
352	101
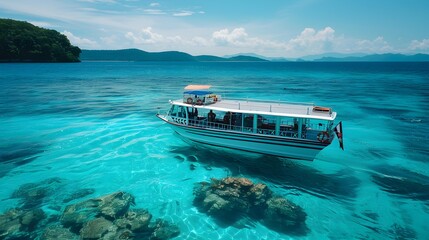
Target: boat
296	131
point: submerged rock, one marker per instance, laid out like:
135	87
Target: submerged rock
33	194
230	199
115	204
57	232
10	223
259	196
233	195
17	223
136	220
109	217
282	214
164	230
74	216
78	194
111	206
99	228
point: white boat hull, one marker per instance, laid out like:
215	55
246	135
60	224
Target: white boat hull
292	148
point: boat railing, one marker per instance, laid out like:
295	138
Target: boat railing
179	120
309	132
264	107
271	101
204	123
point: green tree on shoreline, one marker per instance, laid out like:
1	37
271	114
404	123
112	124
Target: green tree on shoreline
23	42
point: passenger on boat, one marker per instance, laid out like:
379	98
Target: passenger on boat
196	113
234	118
190	114
227	118
211	116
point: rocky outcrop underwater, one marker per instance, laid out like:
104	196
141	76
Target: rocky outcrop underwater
231	199
44	212
105	217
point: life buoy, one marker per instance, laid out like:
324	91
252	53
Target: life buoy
199	102
321	109
189	101
323	137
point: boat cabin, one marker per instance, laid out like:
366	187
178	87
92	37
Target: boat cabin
204	109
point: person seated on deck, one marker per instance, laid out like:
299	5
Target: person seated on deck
227	118
211	116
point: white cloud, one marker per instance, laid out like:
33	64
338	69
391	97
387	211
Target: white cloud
378	45
200	41
146	35
310	40
154	4
95	1
153	11
81	42
419	45
183	14
109	40
238	37
98	11
235	37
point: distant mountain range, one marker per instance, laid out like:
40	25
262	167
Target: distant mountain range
169	56
175	56
343	57
388	57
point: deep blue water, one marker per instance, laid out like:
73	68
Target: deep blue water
93	124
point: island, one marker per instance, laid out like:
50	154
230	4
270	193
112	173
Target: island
21	41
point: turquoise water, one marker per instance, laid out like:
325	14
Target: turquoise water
93	124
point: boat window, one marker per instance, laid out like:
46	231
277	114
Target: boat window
316	124
173	111
266	125
248	120
181	112
237	119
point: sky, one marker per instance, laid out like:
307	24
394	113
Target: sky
272	28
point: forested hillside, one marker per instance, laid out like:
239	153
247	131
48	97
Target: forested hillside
23	42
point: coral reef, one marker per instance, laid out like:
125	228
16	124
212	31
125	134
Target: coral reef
106	217
230	199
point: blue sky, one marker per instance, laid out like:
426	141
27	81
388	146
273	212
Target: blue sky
274	28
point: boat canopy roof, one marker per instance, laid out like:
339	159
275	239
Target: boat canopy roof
197	87
283	109
198	92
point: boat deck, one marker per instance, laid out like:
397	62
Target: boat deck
302	110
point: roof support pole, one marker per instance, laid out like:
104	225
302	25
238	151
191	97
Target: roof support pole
277	125
299	127
186	116
255	123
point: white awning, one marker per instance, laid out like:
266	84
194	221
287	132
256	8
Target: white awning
197	87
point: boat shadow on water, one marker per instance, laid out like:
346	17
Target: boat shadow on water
402	182
18	154
283	173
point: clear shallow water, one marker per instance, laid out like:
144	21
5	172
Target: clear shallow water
93	124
